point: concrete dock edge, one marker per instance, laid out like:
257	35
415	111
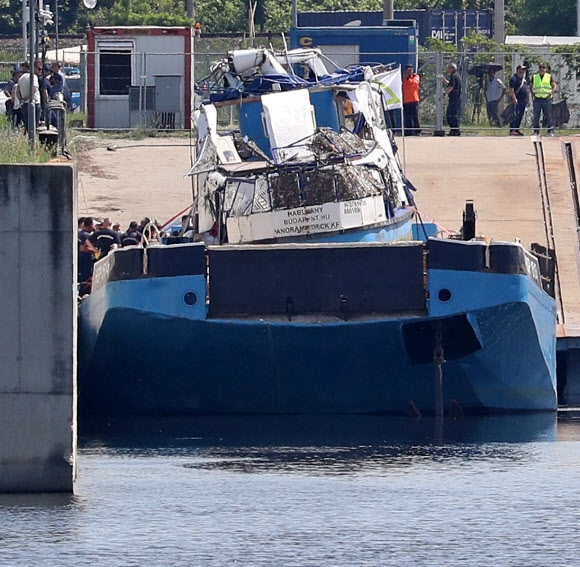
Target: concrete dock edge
38	328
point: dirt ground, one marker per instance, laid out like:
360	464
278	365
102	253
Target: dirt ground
146	178
128	179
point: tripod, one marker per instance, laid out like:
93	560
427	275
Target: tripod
479	96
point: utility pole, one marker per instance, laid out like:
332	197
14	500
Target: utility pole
25	20
56	28
31	118
499	22
388	10
499	32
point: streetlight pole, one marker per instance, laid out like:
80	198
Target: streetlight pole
32	55
499	33
56	28
25	17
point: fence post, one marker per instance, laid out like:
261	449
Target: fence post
438	94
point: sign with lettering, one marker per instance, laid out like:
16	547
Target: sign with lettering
317	219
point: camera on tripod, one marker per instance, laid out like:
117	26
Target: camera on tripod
480	70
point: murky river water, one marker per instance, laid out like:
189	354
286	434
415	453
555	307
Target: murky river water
311	492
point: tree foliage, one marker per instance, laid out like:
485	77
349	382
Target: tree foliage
548	17
532	17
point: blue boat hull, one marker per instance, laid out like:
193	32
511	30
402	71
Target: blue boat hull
178	366
151	345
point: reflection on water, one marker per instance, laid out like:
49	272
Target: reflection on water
306	492
46	501
332	431
323	445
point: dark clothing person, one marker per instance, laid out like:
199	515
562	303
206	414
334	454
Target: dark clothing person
454	105
520	90
103	239
10	85
85	267
144	222
57	86
411	118
131	238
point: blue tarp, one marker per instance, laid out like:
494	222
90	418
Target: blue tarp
263	84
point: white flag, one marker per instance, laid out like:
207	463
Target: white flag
391	84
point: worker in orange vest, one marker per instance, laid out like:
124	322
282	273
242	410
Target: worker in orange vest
411	99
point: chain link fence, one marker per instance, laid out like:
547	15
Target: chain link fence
564	66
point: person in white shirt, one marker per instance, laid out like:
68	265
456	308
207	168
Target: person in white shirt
24	94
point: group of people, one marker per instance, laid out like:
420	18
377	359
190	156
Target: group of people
541	87
97	238
48	83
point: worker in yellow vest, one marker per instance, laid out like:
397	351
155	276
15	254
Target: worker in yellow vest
543	87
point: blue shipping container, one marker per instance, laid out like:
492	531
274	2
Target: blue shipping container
448	25
360	45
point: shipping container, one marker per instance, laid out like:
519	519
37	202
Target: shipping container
448	25
396	45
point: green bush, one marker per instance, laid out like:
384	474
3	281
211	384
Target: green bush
15	146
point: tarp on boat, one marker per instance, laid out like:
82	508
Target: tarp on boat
262	84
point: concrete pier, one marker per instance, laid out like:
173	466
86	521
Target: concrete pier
37	328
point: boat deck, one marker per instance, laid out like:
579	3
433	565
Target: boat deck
502	180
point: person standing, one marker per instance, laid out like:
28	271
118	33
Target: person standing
453	92
411	99
29	94
519	92
57	70
10	92
17	119
104	238
543	88
493	94
85	251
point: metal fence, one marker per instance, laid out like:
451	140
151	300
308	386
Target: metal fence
565	68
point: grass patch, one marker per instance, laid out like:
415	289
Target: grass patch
15	148
76	120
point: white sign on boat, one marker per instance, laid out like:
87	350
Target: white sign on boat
316	219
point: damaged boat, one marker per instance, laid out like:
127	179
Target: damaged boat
324	293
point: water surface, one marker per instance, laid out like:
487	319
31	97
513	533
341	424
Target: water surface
309	492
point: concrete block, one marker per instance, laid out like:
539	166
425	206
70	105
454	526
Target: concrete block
38	304
38	443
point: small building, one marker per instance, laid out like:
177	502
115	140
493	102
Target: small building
140	76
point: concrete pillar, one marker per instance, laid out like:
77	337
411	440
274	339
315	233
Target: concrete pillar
37	328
